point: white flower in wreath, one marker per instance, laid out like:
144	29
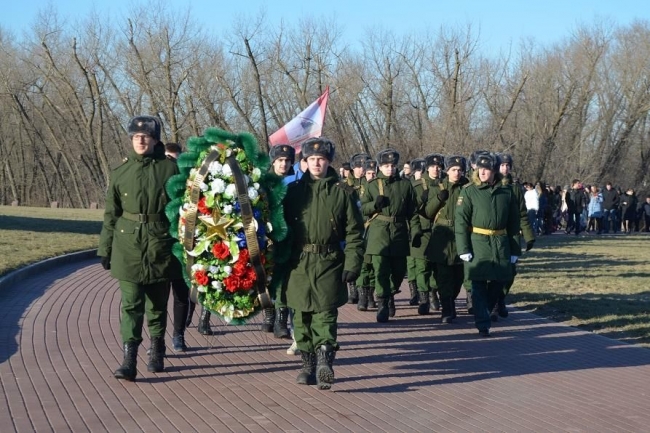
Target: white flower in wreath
227	269
201	289
217	285
218	186
204	187
227	209
256	185
228	152
256	174
215	168
213	269
230	191
252	193
198	267
226	171
269	227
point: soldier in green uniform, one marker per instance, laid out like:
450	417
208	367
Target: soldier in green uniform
390	204
366	280
486	227
135	243
440	208
417	167
321	214
500	309
276	319
356	180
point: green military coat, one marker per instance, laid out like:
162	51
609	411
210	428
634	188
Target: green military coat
388	232
442	247
418	250
140	252
526	229
487	206
321	213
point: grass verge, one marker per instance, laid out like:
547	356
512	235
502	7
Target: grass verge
30	234
597	283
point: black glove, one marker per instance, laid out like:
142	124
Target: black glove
106	263
529	245
349	277
425	196
443	195
381	202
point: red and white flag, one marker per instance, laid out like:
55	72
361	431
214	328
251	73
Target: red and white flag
309	123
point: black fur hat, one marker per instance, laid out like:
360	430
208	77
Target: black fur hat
505	158
388	156
455	161
318	146
145	124
435	159
488	160
359	159
371	165
283	151
418	164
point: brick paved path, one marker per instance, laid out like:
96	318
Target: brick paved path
59	345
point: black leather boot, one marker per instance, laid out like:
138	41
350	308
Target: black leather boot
501	306
372	304
190	313
435	300
353	294
268	320
447	314
391	306
280	328
382	310
413	288
307	375
364	293
424	305
204	323
128	371
157	355
324	369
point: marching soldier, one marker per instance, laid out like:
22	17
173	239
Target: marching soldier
500	309
487	222
390	204
371	170
135	243
440	208
416	253
276	319
366	280
321	214
356	180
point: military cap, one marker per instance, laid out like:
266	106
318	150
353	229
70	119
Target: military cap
455	161
283	151
505	158
435	159
474	156
388	156
319	146
358	159
418	164
488	161
144	124
346	166
371	165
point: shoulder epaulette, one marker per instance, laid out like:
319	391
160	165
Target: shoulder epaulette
345	187
124	161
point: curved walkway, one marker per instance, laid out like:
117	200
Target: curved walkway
59	344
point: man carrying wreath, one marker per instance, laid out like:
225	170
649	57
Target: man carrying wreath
321	213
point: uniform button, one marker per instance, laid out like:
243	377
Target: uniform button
122	231
126	193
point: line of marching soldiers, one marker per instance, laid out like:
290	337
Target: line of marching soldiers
412	231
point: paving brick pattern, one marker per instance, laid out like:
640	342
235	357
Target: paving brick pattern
59	344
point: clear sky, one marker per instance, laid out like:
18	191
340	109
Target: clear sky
501	22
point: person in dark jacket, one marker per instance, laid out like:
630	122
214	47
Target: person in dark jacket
646	214
628	210
135	243
576	201
321	213
611	202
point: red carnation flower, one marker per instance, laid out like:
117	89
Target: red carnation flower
232	283
201	277
221	250
202	207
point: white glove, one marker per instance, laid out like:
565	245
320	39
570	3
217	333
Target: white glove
466	257
513	259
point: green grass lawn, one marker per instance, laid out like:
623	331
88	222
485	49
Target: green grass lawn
597	283
28	234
